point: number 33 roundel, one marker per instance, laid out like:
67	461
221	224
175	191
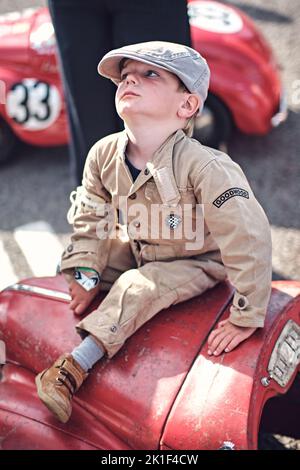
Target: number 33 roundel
33	104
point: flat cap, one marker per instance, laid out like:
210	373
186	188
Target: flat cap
183	61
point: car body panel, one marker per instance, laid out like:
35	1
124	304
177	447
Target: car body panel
130	395
34	101
224	396
161	390
24	424
244	73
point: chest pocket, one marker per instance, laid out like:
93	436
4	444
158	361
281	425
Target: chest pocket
179	228
192	228
187	196
179	225
151	193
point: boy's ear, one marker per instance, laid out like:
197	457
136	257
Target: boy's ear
189	105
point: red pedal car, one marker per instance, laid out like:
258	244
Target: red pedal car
245	89
162	390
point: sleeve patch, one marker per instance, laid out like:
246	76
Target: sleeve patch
228	194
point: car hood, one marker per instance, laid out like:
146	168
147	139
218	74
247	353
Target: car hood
245	75
132	394
15	29
26	32
217	26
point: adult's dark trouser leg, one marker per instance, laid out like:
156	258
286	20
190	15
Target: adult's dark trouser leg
83	31
156	20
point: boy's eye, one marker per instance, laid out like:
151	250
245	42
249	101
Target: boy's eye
123	76
151	73
147	73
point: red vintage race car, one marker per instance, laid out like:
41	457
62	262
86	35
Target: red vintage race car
245	89
162	390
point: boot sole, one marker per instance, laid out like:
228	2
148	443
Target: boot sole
51	404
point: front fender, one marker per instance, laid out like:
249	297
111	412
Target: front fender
224	397
38	121
250	90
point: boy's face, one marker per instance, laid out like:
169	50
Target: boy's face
149	91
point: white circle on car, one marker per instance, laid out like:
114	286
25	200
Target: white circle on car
214	17
33	104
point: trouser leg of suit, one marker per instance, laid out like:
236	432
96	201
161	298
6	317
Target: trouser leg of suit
84	34
140	293
85	31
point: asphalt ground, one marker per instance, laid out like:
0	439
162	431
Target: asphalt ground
36	184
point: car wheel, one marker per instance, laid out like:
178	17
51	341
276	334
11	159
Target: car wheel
213	127
8	141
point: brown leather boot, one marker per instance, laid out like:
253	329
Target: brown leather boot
57	385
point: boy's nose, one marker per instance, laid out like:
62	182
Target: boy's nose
131	78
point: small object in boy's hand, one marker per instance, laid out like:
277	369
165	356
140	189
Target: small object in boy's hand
87	278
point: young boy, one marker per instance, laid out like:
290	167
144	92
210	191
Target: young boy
159	219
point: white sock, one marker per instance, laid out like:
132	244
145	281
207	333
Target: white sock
87	353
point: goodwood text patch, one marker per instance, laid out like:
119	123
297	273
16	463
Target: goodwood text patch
228	194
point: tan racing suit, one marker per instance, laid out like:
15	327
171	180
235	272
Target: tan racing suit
188	221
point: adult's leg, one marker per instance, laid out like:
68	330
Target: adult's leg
84	34
156	20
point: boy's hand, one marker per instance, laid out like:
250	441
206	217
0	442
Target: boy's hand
226	337
81	298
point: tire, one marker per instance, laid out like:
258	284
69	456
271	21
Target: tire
8	141
214	126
